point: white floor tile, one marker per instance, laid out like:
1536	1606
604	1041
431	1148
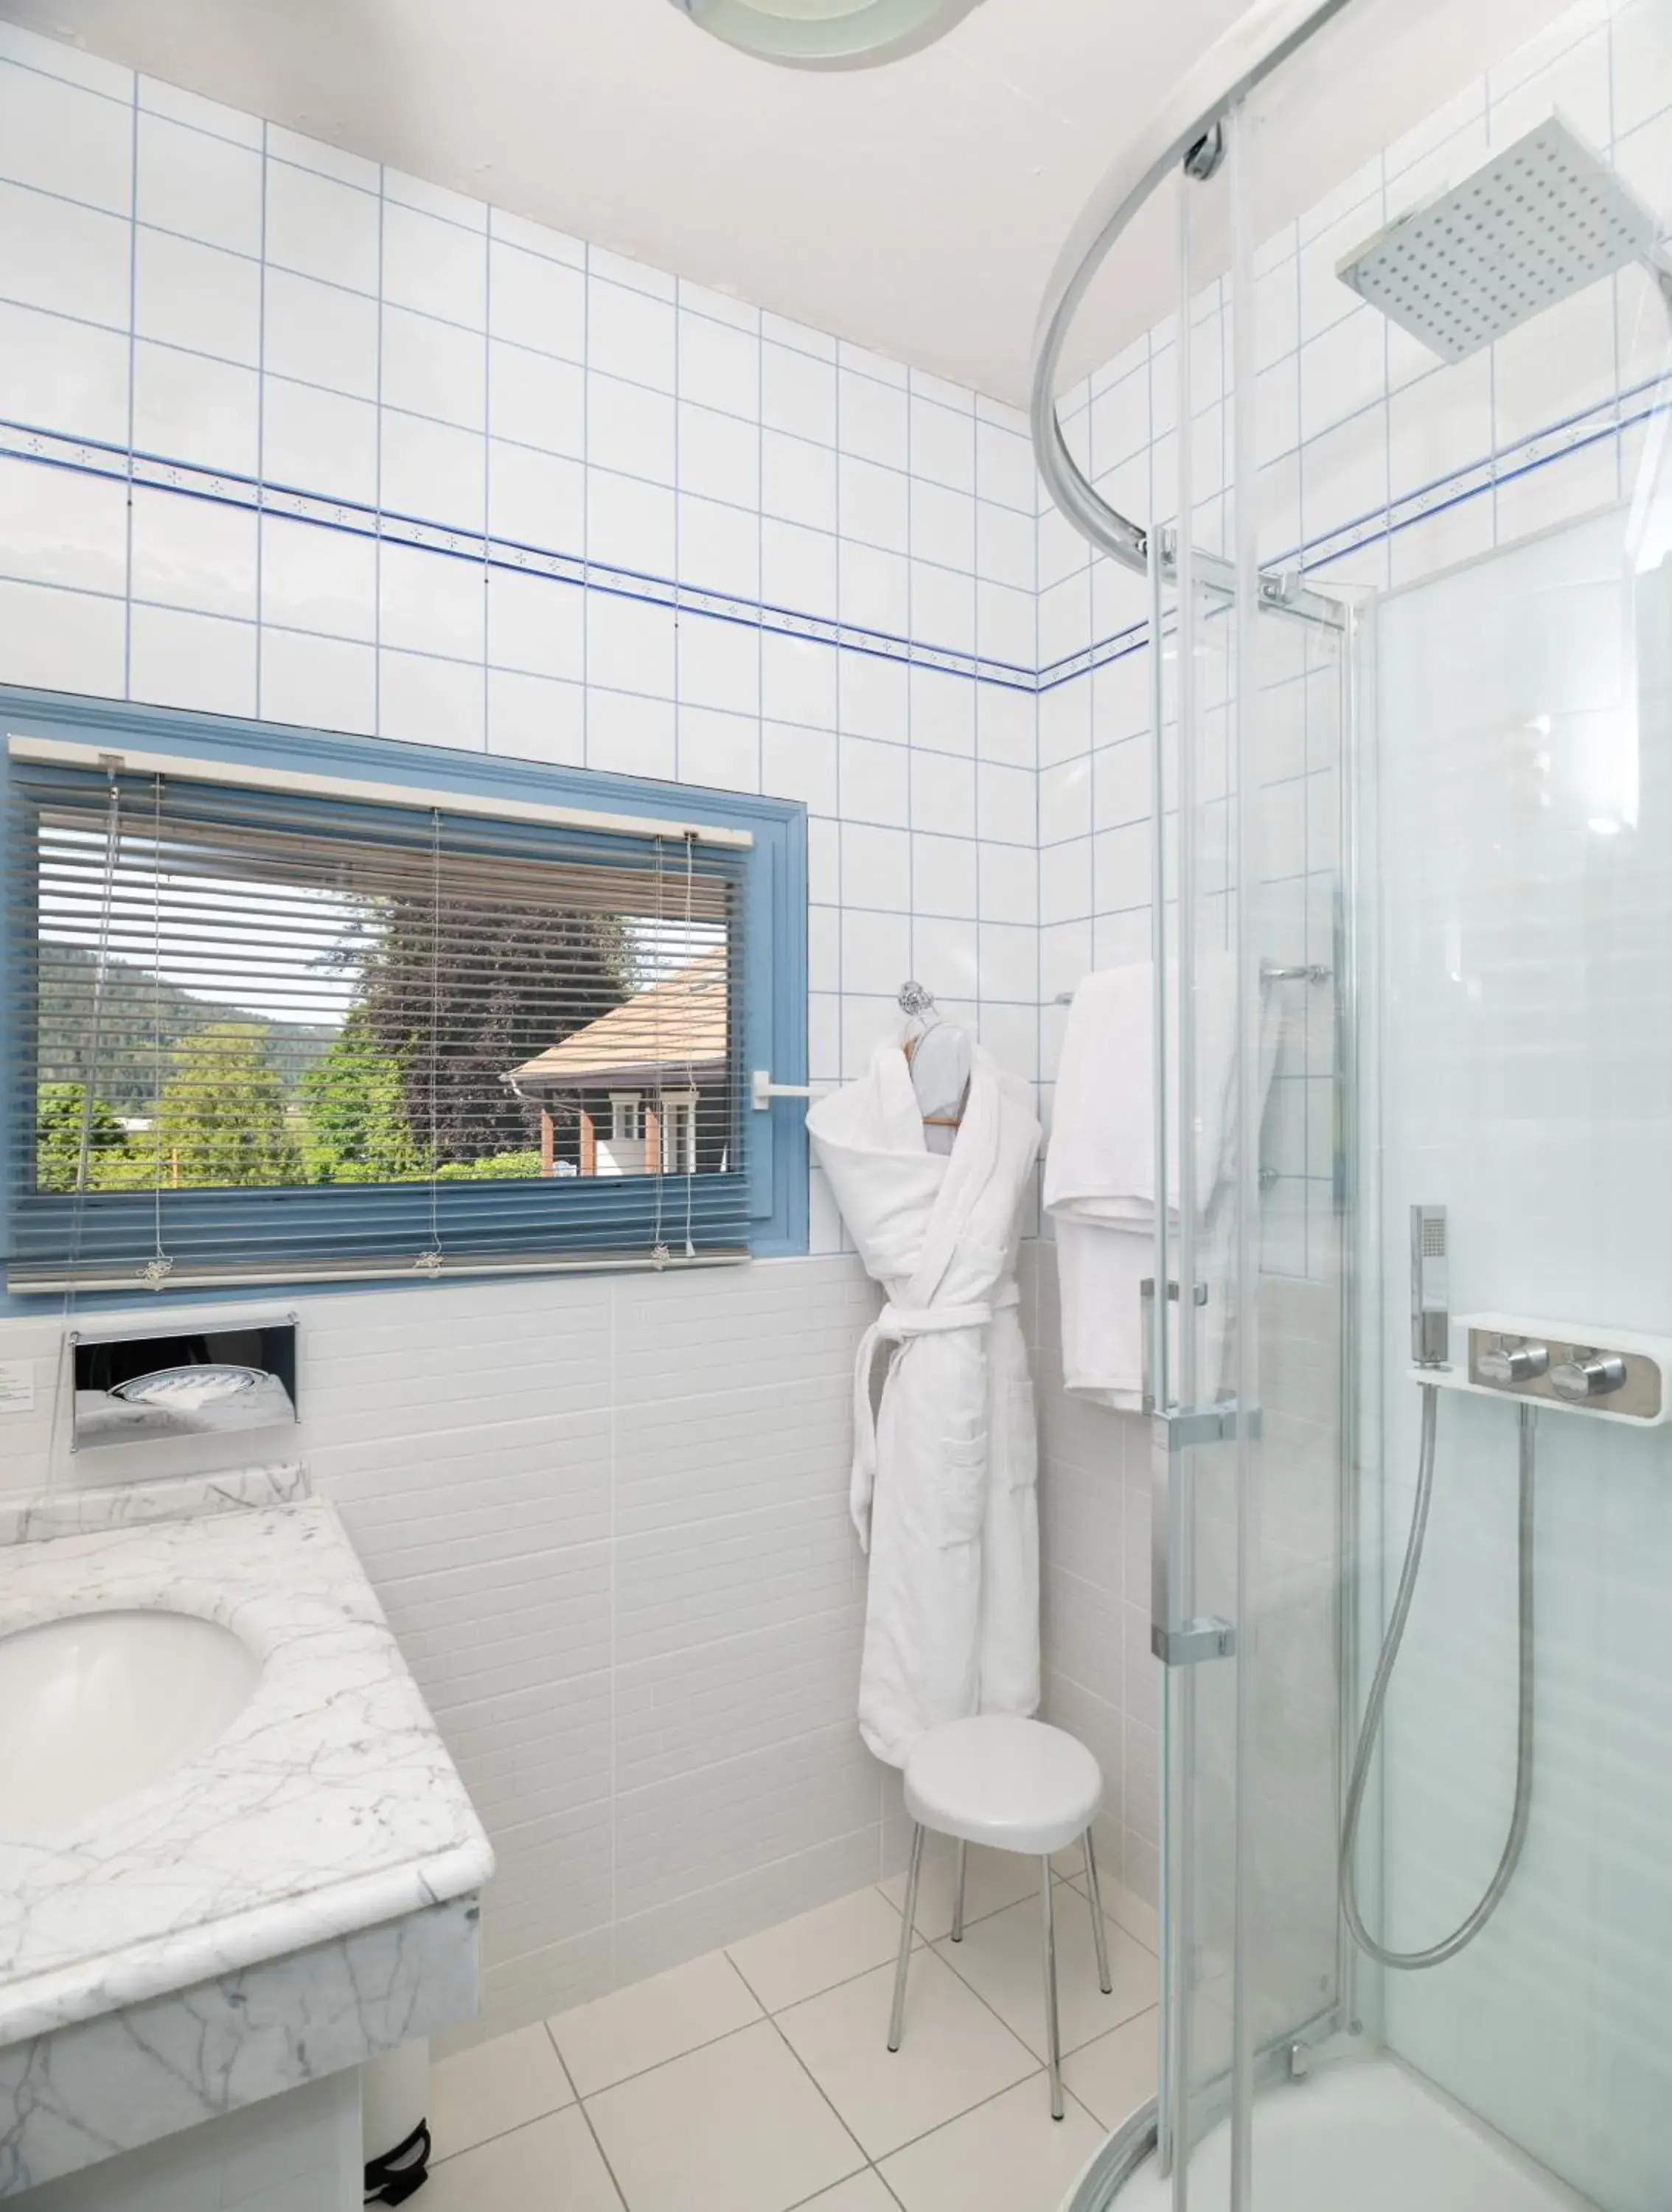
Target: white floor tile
994	1880
652	2022
493	2088
864	2193
1122	1906
1113	2076
735	2127
802	1957
1001	1958
553	2165
954	2053
1009	2156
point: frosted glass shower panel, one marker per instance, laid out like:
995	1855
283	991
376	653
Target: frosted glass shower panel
1524	729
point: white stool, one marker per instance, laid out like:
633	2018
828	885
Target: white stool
1015	1785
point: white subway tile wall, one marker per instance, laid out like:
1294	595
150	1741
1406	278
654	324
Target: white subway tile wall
608	1520
285	434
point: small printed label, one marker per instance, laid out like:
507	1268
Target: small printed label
17	1386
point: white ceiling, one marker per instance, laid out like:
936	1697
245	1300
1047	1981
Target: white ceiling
915	208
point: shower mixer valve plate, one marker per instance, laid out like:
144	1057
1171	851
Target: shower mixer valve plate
1572	1367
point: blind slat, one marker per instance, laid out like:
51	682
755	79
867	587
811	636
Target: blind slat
266	1038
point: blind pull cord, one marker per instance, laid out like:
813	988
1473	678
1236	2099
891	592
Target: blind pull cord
158	1268
431	1263
688	1135
659	1254
110	763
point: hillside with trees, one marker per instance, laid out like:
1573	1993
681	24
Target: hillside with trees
142	1012
446	1002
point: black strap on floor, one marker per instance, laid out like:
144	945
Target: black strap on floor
401	2172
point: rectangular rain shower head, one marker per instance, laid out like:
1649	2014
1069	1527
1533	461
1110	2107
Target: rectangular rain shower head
1541	220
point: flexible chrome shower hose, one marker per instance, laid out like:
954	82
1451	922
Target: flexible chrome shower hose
1438	1954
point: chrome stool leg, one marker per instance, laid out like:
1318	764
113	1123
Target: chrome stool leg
1053	2036
957	1904
1099	1934
896	2018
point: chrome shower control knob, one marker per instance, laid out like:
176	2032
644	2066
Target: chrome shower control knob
1588	1375
1504	1364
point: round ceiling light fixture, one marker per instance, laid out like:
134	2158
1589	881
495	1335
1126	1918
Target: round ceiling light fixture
827	33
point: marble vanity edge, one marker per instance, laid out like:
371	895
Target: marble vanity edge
163	1965
43	1514
92	2090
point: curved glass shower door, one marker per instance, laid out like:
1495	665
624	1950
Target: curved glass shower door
1412	645
1245	1418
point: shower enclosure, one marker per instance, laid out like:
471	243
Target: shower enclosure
1410	680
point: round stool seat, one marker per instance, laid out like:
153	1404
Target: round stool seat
1013	1784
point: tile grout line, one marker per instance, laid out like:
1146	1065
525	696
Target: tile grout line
576	2101
614	1356
922	1943
562	2067
132	354
470	230
488	476
615	2178
952	1966
642	2073
261	532
824	2096
377	465
981	2104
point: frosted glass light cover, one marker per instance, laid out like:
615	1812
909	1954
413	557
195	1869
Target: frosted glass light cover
827	33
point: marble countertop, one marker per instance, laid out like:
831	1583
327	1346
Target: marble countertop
330	1805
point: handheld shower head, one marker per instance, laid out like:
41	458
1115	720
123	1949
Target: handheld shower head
1541	220
1430	1287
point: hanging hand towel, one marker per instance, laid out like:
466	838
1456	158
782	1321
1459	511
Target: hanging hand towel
1100	1170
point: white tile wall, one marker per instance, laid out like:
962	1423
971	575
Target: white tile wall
181	281
608	1520
213	292
1527	1087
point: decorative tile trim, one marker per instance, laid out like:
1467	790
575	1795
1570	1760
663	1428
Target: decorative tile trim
87	457
1609	418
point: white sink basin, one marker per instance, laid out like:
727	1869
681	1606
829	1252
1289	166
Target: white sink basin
97	1705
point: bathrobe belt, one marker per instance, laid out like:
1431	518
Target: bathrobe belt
897	1325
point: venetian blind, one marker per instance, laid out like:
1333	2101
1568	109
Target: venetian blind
270	1036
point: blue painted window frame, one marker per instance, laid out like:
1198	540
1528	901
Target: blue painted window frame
775	994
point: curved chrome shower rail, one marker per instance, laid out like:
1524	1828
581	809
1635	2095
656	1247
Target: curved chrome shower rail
1244	57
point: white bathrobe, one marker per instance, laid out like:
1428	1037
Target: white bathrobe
943	1472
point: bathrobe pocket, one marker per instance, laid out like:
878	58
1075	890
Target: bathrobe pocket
1017	1463
962	1487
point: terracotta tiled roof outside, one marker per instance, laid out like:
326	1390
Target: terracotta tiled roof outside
677	1023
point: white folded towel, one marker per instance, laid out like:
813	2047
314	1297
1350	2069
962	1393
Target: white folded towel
1101	1162
1100	1169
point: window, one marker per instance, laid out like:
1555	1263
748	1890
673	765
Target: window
285	1020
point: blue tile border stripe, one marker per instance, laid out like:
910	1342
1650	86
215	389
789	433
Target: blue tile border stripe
89	457
1609	418
23	442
